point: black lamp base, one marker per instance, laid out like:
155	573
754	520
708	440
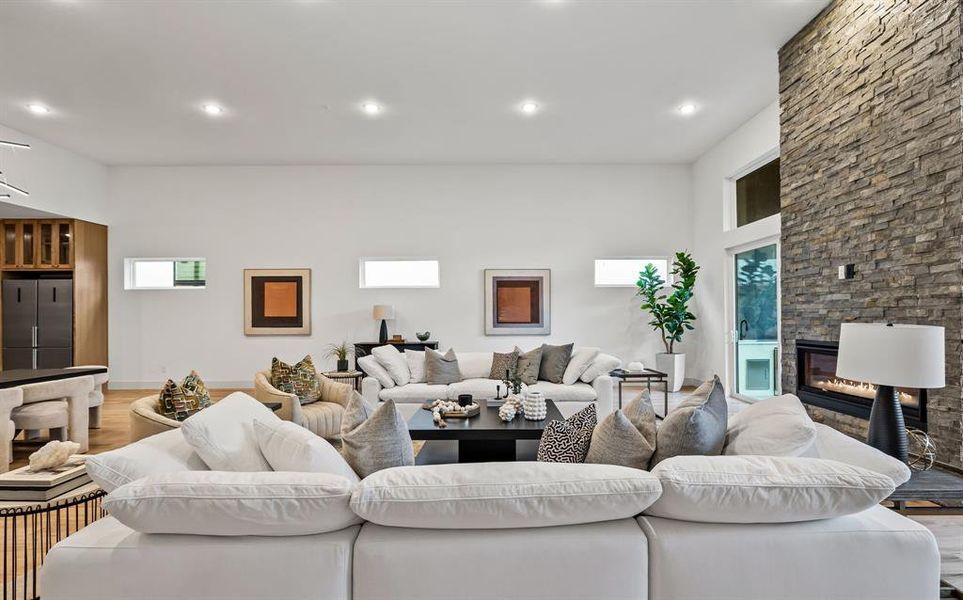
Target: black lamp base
383	338
887	431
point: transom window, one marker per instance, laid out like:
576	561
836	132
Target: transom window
399	273
164	273
624	272
757	194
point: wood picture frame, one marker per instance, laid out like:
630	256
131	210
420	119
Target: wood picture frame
518	301
277	301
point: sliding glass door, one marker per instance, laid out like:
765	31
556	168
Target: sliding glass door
756	334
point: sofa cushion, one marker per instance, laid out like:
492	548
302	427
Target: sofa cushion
162	453
836	445
475	365
764	489
416	365
529	364
394	362
503	363
441	369
578	392
374	439
568	441
300	379
415	392
479	388
555	360
223	503
603	364
581	360
696	426
777	426
503	495
373	368
181	401
626	437
288	446
223	435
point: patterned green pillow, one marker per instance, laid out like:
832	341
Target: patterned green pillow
299	379
181	401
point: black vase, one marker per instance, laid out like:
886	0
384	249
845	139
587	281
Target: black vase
343	365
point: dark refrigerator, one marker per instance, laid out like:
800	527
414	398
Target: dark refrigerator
37	323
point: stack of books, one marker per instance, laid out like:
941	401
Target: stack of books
22	485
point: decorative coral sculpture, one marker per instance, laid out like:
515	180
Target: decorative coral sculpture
52	455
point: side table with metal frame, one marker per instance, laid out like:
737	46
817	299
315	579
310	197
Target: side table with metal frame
648	376
352	378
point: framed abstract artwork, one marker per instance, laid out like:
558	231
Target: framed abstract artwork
277	301
518	301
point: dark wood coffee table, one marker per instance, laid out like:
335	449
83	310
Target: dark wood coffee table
484	438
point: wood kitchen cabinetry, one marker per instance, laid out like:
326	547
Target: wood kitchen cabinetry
42	244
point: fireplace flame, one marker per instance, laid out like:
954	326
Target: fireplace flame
856	388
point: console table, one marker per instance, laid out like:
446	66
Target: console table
362	349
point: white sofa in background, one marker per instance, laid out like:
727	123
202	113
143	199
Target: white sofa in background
475	369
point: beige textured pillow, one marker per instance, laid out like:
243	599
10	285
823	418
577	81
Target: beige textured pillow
441	369
374	439
626	437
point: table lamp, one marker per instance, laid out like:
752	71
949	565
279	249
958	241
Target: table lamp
887	356
383	312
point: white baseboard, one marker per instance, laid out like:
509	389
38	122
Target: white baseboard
157	385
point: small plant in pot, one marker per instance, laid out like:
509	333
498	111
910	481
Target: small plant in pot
670	312
339	352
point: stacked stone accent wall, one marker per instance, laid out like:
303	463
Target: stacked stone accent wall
872	174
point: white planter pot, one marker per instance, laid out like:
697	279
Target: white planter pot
674	365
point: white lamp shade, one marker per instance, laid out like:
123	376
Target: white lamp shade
383	311
911	356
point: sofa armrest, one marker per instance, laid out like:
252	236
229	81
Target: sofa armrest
371	391
604	387
265	392
834	445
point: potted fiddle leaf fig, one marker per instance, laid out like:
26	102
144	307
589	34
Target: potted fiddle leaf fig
340	353
670	312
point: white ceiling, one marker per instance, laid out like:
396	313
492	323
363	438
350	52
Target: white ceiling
125	79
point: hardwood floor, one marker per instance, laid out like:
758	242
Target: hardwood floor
116	433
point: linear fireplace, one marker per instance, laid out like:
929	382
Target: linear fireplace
817	384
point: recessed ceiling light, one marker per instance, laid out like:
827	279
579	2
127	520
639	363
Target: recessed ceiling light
687	109
38	109
529	107
212	109
371	108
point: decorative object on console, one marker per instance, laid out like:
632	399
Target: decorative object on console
670	313
181	401
518	301
300	379
441	369
697	426
510	408
627	436
533	405
52	455
922	452
277	301
374	439
40	485
635	367
529	364
397	339
383	313
888	355
423	337
339	352
554	361
568	441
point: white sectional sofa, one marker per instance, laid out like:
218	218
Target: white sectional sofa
875	553
475	370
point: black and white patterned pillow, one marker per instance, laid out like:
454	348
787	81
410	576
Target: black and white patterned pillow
568	441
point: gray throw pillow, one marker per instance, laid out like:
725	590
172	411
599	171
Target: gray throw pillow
529	364
441	369
374	439
697	426
626	437
555	359
503	362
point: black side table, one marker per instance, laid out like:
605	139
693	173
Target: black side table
364	348
648	376
935	485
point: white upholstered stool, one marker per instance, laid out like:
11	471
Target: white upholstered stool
50	414
96	399
9	399
76	392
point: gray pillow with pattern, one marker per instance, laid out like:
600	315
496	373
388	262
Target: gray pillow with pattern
503	363
528	365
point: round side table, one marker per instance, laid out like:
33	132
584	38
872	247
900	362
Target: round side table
352	378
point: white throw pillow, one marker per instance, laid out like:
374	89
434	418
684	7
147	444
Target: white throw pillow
836	445
394	362
764	489
503	495
602	365
224	503
416	365
288	446
373	368
777	426
162	453
582	359
223	434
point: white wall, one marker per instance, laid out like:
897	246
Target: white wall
59	181
470	217
710	174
